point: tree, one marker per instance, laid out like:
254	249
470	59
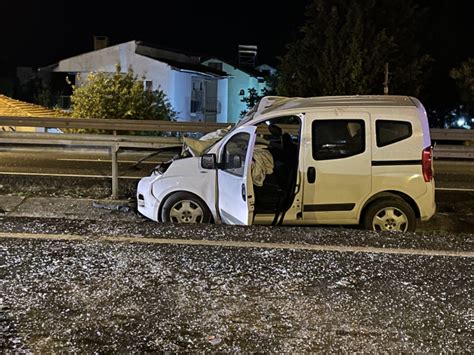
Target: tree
253	98
345	45
119	95
464	76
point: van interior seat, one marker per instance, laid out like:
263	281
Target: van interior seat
273	195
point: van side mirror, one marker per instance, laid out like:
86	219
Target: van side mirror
209	161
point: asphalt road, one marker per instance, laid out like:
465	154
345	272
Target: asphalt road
449	174
98	287
113	285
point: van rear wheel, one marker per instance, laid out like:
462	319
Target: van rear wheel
184	207
392	214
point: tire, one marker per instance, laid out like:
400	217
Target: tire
392	214
184	207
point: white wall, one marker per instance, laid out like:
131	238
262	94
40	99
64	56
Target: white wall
150	69
223	98
102	60
181	94
181	87
177	85
237	82
106	59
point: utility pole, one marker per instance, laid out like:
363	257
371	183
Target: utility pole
385	83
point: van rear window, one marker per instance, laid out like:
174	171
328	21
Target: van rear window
389	132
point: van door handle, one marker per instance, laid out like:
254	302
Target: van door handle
244	194
311	174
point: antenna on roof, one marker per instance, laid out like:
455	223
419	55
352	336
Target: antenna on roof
247	55
386	81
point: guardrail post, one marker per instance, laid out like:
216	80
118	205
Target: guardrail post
113	151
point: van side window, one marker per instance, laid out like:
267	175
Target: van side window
389	132
234	153
335	139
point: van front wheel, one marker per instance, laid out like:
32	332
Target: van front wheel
392	214
184	207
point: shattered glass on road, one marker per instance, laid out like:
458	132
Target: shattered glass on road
98	296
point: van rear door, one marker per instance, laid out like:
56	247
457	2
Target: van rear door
337	166
234	181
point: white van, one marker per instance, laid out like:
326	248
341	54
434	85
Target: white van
322	160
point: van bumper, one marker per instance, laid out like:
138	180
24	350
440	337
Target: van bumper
147	204
427	203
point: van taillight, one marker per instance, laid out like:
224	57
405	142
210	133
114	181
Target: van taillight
426	163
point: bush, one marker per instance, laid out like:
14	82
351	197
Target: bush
118	96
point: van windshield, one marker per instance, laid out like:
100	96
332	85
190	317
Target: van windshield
247	118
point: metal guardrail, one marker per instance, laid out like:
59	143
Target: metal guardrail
448	151
112	124
441	134
173	126
116	142
91	140
462	151
113	142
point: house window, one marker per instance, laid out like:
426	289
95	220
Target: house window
148	85
197	96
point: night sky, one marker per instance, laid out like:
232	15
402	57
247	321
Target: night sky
41	32
38	33
47	31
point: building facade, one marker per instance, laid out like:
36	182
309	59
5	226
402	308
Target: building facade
196	92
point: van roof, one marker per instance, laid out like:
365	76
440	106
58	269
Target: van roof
279	103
